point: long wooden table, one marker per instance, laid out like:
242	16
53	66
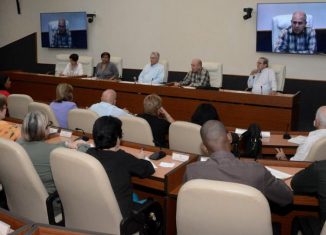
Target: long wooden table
236	108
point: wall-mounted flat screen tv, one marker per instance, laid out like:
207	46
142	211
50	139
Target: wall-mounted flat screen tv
298	28
64	30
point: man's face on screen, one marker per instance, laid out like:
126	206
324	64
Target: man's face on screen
298	22
62	26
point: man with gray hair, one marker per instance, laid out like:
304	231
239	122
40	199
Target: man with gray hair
298	38
304	148
107	106
223	166
153	73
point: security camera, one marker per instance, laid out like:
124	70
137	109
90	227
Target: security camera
248	12
91	17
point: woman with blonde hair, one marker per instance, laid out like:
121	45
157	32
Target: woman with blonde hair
34	132
63	103
158	119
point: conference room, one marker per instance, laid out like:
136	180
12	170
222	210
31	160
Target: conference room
229	46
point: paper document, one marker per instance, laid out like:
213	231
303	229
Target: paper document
278	174
298	139
167	164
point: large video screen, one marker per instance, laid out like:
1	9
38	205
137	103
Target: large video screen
64	30
298	28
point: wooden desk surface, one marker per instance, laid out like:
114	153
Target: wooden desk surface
236	108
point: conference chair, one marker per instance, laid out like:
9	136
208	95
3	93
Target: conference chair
88	199
18	105
118	62
281	22
25	192
317	151
185	137
323	231
45	109
280	74
165	64
215	207
63	59
82	118
215	72
137	130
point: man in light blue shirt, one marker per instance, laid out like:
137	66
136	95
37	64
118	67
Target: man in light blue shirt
153	73
107	105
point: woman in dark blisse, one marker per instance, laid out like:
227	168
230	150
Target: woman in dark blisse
204	113
158	119
118	164
5	85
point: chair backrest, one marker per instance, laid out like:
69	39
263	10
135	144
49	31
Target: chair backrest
63	59
85	192
82	118
317	151
165	64
44	108
281	22
136	130
25	192
118	62
215	72
185	137
323	231
280	74
215	207
53	27
18	105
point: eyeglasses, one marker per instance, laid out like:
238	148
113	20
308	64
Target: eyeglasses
49	124
297	22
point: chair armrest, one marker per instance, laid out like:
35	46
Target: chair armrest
50	209
149	217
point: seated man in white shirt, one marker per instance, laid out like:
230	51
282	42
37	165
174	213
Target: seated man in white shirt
304	148
73	68
153	73
107	105
262	80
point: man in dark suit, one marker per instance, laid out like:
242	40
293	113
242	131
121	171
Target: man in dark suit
222	165
311	180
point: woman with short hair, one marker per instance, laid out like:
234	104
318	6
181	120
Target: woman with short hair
118	164
34	132
158	119
63	103
73	68
106	69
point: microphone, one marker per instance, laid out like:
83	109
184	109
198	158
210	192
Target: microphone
135	79
261	89
286	135
83	137
152	81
